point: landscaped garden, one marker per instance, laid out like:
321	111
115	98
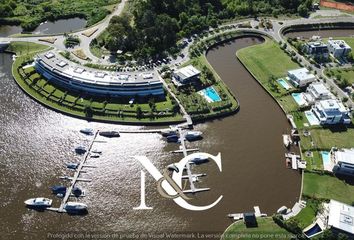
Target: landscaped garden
106	109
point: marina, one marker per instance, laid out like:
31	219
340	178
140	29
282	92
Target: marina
63	208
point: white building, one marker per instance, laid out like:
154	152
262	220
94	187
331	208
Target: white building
301	77
343	160
331	111
340	217
317	91
338	48
185	75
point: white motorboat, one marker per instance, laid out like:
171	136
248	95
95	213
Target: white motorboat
287	140
87	131
75	208
193	135
38	202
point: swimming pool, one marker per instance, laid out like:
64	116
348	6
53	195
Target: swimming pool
210	94
312	118
326	158
299	99
313	231
284	84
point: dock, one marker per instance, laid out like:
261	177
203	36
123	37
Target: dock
76	178
188	167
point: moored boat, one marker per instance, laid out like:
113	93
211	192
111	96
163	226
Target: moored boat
80	150
75	208
72	166
193	135
38	202
172	138
87	131
58	189
199	160
110	134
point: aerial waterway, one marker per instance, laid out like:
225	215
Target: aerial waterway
37	142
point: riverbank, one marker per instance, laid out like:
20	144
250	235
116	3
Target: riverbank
89	108
267	62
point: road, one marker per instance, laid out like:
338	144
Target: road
275	33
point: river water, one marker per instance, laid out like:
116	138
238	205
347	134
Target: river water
56	27
36	142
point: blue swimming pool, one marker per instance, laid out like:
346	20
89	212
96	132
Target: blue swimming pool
212	94
299	99
311	118
326	157
316	229
284	84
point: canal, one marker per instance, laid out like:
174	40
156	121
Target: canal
36	142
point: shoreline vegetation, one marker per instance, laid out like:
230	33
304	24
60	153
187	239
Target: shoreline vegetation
30	14
89	108
271	63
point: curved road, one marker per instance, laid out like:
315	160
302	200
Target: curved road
275	33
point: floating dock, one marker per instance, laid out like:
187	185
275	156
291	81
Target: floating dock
76	178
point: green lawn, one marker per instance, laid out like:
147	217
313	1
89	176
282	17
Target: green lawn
327	187
307	215
22	48
267	229
326	139
265	60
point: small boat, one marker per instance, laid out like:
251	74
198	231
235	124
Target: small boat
167	133
87	131
193	135
173	167
75	208
287	140
199	160
95	155
38	202
109	134
58	189
96	151
172	138
80	150
77	192
72	166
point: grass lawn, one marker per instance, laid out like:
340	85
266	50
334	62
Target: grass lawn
326	138
345	74
307	215
315	162
195	104
22	48
267	229
327	187
265	60
288	103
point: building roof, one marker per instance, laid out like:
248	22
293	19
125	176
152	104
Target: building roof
341	216
345	156
187	72
337	44
81	73
301	74
332	104
320	88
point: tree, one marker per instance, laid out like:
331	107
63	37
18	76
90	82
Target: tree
139	112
